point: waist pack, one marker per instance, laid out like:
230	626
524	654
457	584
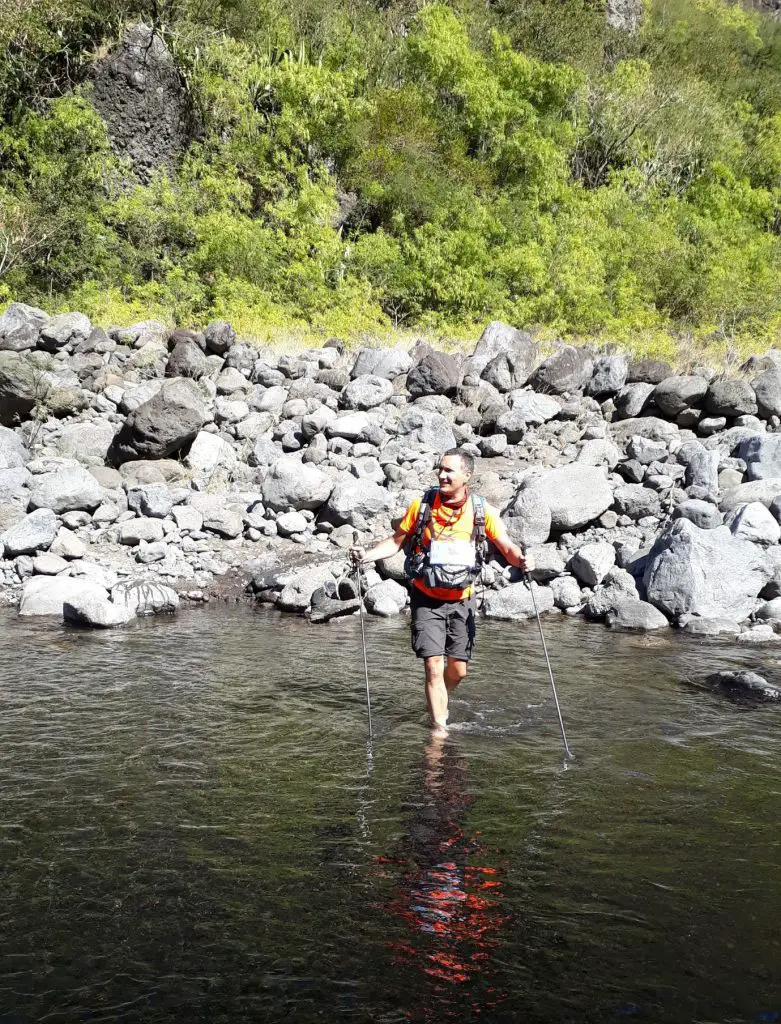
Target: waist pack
419	565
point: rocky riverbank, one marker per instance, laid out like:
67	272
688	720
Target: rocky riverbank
141	466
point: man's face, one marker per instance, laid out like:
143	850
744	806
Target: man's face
452	475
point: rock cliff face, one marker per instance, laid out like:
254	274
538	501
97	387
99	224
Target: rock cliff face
625	15
139	93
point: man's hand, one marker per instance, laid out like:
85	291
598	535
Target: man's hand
526	562
357	555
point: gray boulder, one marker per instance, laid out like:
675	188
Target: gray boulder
82	441
354	426
636	501
566	592
424	429
636	615
219	337
381	362
140	531
357	502
575	494
711	626
187	360
708	573
756	490
515	602
46	595
767	388
702	468
296	594
753	522
14	484
568	370
386	598
209	453
528	519
675	394
366	392
744	683
534	408
22	386
512	367
64	329
66	490
290	484
162	425
643	426
731	398
592	562
500	339
95	611
153	500
701	513
762	455
632	399
437	373
20	327
13	453
35	532
648	371
609	376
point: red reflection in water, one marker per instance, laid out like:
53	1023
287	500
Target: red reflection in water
449	904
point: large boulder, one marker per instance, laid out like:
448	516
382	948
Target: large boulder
22	386
68	489
500	339
13	453
762	455
511	367
381	362
568	370
20	327
36	532
731	398
366	392
82	441
533	408
14	484
163	424
632	399
636	501
427	430
754	522
516	602
575	494
357	502
145	597
767	388
674	394
643	426
609	376
187	360
755	490
437	373
528	519
95	610
46	595
208	454
290	484
64	329
701	469
296	594
591	562
638	615
707	573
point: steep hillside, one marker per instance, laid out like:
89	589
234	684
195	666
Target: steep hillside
349	166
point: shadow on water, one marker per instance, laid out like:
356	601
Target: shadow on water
194	828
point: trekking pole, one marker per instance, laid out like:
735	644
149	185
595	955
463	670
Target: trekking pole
567	751
363	642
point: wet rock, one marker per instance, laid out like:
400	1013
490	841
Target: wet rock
46	595
515	602
145	597
95	611
711	626
637	615
709	573
745	683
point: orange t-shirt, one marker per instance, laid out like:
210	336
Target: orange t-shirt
449	524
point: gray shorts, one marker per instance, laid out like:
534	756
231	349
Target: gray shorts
442	627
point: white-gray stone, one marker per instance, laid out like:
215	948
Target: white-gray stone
591	562
638	615
46	595
96	611
134	531
145	597
33	533
209	453
289	484
69	488
85	440
575	494
754	522
515	602
67	545
386	598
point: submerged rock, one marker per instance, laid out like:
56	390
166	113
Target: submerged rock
745	683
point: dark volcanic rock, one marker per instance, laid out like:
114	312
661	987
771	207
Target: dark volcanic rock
162	425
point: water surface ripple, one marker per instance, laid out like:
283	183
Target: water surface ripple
195	829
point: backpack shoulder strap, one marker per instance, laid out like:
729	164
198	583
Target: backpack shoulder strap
424	514
478	513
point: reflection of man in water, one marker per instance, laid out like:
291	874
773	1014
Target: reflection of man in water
448	902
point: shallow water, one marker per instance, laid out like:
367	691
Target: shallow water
194	828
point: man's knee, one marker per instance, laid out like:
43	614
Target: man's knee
455	671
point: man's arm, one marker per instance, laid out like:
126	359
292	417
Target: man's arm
384	549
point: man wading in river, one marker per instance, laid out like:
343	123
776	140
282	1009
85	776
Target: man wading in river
444	533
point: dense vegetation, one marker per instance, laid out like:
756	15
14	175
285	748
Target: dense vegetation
367	164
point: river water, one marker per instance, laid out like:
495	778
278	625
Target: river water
194	828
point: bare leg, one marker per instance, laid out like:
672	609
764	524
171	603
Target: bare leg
436	690
455	671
